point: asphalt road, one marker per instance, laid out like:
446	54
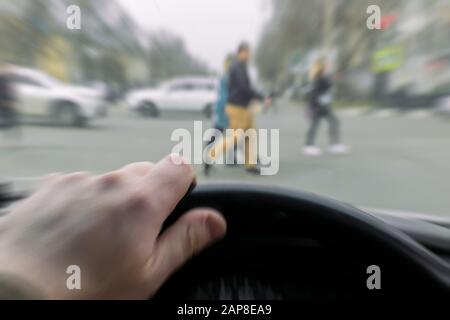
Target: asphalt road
397	162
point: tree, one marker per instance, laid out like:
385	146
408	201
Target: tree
168	57
300	26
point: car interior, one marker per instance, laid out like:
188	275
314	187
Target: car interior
320	130
285	244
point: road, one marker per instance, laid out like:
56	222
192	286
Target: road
397	162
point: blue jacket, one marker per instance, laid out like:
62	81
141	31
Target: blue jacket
221	119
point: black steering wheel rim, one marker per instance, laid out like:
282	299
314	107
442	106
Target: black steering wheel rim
360	227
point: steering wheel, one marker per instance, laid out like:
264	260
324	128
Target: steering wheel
284	244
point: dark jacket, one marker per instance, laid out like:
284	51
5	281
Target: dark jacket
321	87
240	91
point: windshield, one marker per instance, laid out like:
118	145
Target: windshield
346	99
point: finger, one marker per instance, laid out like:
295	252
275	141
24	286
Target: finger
125	174
59	180
76	176
145	203
48	178
188	236
167	183
110	180
137	169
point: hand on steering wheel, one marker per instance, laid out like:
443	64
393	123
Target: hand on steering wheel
109	227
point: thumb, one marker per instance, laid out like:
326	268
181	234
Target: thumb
193	232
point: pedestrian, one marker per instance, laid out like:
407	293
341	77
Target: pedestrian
9	118
319	106
220	117
241	118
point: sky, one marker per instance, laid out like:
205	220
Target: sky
209	28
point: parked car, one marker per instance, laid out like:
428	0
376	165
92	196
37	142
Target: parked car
183	94
40	97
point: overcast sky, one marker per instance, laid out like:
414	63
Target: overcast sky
210	28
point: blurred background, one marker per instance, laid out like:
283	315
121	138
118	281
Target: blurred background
113	91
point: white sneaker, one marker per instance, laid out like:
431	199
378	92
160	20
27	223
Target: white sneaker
338	149
312	151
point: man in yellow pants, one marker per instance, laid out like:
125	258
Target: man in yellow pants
240	94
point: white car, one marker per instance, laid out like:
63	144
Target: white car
41	97
182	94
